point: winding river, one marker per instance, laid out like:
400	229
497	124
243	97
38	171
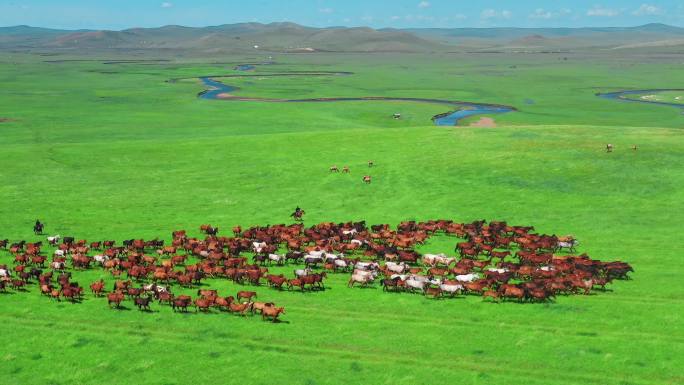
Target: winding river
621	96
220	91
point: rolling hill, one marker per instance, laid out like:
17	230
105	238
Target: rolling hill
290	37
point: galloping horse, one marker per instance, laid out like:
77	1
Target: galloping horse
298	214
38	228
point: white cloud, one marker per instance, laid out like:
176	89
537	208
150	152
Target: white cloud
541	13
459	16
367	18
395	18
494	14
602	12
648	10
424	4
326	10
166	4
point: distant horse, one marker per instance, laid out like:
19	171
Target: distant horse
367	179
345	170
370	163
334	168
38	228
609	147
298	214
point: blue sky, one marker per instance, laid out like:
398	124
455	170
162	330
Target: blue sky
120	14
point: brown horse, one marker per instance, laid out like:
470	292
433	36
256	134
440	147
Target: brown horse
276	281
367	179
143	303
272	312
260	306
97	287
203	304
240	308
223	303
246	295
115	298
181	302
237	230
435	292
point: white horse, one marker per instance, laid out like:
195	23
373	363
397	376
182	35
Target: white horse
330	257
316	253
394	267
366	266
451	289
467	277
4	273
434	259
258	246
302	272
500	271
279	259
59	253
58	265
54	239
362	277
351	232
421	278
341	264
101	259
570	245
413	284
154	288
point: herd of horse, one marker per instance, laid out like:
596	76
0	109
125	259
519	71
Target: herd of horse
491	259
345	170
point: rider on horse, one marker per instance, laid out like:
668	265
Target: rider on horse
297	214
38	227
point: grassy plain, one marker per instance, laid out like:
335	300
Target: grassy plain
114	151
676	97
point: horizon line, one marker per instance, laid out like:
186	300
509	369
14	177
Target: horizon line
331	26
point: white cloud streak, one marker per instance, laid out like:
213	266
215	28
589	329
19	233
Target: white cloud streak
494	14
599	11
648	10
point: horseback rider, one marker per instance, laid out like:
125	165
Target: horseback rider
298	213
38	227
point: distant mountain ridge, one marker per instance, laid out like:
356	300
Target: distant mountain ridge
285	36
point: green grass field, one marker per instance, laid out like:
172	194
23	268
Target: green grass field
114	151
676	97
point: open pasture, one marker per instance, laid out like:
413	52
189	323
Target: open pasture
115	151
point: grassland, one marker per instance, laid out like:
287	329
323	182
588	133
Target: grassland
114	151
676	97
